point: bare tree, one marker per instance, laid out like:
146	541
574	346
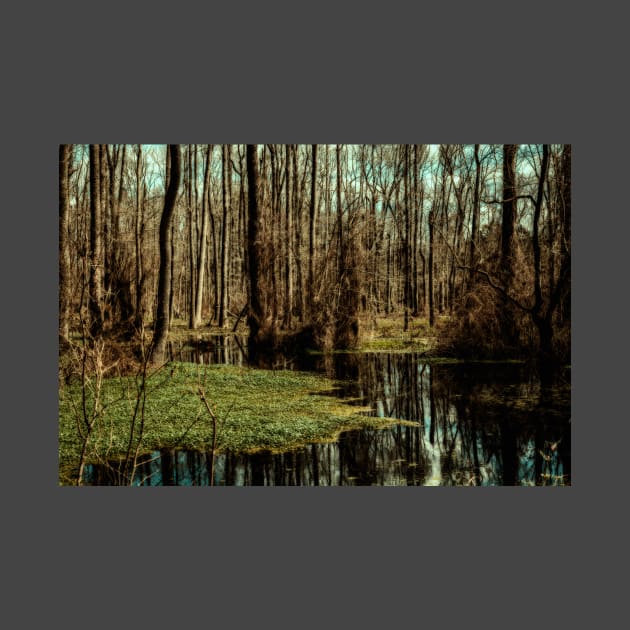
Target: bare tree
96	244
347	303
507	231
311	230
203	237
164	282
288	236
138	240
225	235
65	158
259	319
474	235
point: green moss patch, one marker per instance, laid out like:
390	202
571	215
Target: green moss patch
255	409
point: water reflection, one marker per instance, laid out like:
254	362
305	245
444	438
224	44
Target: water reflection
478	424
215	349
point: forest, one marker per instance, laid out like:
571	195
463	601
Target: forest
281	252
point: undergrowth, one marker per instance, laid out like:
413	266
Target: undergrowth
255	409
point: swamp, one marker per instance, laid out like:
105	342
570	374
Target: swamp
314	315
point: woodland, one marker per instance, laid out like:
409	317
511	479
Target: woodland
458	251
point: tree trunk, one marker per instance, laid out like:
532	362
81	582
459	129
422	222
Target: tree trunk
311	233
414	237
171	293
65	159
225	235
288	232
104	235
430	288
203	237
565	195
139	317
273	265
298	195
475	217
347	305
164	281
542	317
508	326
406	257
261	325
509	209
192	217
96	244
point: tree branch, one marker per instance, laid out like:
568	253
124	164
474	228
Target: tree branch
499	201
497	287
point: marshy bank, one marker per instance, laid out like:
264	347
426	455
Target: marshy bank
352	418
201	407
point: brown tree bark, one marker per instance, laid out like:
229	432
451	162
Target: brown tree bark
475	217
565	195
288	234
406	236
118	270
261	324
347	306
104	236
203	237
542	313
164	281
225	235
96	244
189	183
298	195
311	231
508	326
509	209
414	236
431	248
138	241
65	159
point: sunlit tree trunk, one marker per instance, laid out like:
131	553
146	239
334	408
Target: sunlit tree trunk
203	237
431	248
171	294
191	173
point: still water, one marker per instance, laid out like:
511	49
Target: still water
482	424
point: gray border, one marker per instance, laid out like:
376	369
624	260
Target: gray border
372	74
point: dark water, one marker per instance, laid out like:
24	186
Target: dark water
478	424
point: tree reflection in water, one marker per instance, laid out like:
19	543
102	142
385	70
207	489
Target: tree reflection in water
478	424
